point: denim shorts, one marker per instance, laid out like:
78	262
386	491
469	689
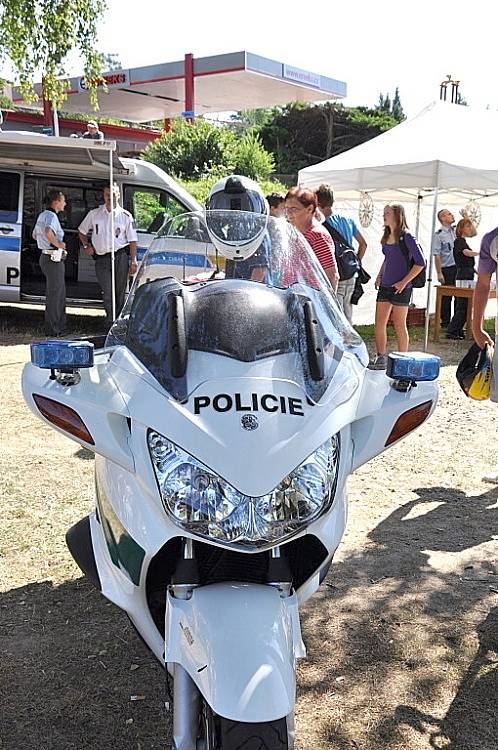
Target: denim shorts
388	294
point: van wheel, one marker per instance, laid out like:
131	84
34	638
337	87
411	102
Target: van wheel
268	735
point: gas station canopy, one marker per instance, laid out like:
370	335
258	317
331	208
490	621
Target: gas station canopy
197	86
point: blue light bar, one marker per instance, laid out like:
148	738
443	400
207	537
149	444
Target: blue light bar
57	355
413	366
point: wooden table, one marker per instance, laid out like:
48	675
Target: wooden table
456	291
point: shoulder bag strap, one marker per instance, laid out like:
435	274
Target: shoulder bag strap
337	236
404	249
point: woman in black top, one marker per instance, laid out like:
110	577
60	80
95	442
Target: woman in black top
465	265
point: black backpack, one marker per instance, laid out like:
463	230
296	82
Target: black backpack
346	258
420	279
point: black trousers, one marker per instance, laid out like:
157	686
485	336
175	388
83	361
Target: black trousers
103	270
457	323
55	295
449	275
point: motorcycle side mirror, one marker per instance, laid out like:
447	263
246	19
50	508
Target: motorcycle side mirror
414	367
63	359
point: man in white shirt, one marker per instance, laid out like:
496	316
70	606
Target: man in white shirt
97	223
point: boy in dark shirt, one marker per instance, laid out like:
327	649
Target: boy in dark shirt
465	265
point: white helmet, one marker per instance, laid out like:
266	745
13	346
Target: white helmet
236	216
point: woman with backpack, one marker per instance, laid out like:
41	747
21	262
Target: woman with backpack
403	261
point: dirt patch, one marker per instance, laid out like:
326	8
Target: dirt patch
402	638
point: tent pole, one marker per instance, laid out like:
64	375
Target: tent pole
113	269
429	263
420	198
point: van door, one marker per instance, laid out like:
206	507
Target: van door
81	196
10	235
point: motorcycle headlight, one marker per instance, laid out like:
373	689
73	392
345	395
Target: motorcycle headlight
203	503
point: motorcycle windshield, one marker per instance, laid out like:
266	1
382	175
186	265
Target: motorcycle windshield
242	286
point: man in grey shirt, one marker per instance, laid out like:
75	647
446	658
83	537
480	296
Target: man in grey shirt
444	260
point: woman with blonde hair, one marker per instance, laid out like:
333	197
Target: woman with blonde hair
403	260
465	270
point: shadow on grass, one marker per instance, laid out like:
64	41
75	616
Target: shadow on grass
85	454
389	624
405	628
67	677
22	325
472	719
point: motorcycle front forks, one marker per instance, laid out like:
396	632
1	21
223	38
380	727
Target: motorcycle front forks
186	696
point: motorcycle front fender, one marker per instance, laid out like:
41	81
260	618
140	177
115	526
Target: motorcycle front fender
239	644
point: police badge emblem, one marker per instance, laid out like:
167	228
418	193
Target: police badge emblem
249	422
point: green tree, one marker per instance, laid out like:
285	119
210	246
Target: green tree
397	109
251	159
5	100
301	134
36	37
393	108
200	188
110	61
252	118
193	149
385	103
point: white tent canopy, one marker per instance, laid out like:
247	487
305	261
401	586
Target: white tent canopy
445	149
446	146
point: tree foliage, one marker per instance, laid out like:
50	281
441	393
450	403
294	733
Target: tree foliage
192	149
393	107
36	36
110	61
301	134
251	118
285	140
397	109
200	188
250	158
198	149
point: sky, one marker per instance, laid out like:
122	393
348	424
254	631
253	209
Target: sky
372	46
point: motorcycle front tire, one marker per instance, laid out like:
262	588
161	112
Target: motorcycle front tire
268	735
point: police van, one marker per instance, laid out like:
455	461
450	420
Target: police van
31	165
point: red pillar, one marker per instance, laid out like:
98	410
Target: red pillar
189	83
47	109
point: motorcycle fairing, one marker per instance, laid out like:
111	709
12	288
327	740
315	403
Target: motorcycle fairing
239	643
96	400
218	438
379	406
125	553
117	587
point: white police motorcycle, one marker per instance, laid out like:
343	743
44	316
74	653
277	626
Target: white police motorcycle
226	415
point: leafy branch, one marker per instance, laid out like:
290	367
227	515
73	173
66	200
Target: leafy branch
36	36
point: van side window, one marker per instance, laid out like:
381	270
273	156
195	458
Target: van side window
9	196
150	207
